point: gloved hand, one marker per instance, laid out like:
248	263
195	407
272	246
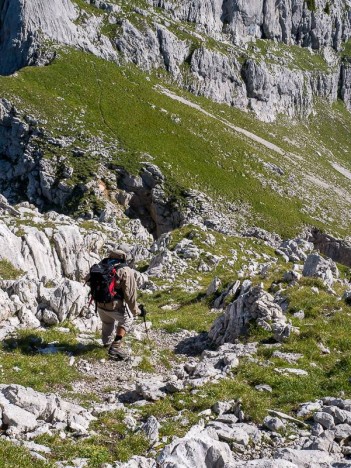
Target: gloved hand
142	310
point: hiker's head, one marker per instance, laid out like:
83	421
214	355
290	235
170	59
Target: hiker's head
118	255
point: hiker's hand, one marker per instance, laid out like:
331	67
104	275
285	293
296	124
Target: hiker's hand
142	310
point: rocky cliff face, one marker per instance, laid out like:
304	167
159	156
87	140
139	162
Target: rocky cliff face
207	47
315	23
28	29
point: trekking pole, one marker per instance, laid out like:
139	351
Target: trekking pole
143	314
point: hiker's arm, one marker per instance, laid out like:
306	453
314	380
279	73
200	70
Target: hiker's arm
87	279
130	292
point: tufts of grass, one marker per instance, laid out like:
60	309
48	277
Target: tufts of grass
24	364
114	441
311	5
8	271
146	365
13	456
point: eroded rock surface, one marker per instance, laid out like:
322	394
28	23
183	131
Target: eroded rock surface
253	304
264	86
25	412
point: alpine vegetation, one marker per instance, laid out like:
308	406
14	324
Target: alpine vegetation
175	208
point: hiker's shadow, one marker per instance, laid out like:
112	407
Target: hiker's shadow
34	345
194	345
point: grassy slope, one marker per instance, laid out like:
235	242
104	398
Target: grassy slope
81	95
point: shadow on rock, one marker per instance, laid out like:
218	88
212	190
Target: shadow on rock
33	344
194	345
131	396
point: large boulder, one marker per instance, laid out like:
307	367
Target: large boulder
49	254
317	267
77	251
23	409
199	447
69	299
253	304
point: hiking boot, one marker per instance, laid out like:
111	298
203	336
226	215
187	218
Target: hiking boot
117	351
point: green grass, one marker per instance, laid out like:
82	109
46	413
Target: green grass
120	105
295	57
311	5
23	364
8	271
12	456
347	49
113	442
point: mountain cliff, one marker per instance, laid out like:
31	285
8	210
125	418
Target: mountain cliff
264	56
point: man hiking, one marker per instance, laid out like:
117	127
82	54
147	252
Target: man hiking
114	290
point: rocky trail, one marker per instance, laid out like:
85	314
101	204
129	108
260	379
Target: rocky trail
242	131
163	392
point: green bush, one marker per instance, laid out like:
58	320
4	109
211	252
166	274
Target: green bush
311	5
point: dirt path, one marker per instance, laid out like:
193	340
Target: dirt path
161	354
248	134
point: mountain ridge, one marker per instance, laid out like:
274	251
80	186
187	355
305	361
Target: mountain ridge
184	41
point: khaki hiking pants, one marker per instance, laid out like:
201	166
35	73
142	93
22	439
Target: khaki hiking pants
120	317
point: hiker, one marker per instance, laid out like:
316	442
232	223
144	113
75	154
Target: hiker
117	303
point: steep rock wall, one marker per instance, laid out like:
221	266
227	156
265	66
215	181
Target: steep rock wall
27	26
24	173
267	81
290	21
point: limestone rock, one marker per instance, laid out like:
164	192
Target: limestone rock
325	419
304	458
68	300
151	389
17	419
28	319
77	252
273	423
28	25
296	249
151	428
253	303
48	317
24	409
136	462
166	262
337	249
317	267
199	447
222	407
7	306
230	434
342	431
213	287
265	463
